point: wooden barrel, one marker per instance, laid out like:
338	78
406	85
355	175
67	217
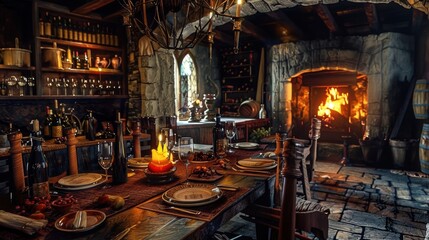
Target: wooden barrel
421	99
424	149
249	108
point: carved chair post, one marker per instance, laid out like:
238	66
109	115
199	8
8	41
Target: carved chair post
17	163
293	150
314	135
71	150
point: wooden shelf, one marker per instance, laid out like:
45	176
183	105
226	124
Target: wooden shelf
7	67
81	44
92	71
95	97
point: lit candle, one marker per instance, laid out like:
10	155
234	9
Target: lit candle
237	10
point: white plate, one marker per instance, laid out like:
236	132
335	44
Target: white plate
256	168
94	218
194	204
142	162
246	145
80	179
192	193
62	187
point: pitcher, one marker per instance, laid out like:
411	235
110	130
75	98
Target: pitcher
105	63
116	62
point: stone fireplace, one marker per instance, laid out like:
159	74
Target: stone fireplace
338	98
374	71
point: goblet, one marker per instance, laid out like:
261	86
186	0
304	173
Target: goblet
186	151
105	157
230	130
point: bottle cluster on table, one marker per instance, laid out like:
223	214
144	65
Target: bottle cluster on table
57	122
61	27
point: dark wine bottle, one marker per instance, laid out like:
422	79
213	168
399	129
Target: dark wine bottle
37	168
120	170
47	124
90	126
56	126
218	138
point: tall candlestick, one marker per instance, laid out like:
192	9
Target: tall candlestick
238	9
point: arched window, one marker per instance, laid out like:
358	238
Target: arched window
187	85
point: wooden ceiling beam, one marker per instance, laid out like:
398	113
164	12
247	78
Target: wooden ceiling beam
325	14
91	6
223	37
258	33
372	17
287	23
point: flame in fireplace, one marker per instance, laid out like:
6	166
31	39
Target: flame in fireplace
334	101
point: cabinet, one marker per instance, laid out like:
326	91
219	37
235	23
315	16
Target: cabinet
87	58
239	78
51	73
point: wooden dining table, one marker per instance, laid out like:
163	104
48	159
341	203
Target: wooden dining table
146	213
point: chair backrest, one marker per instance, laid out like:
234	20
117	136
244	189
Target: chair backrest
294	151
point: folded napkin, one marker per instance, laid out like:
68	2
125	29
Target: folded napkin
24	224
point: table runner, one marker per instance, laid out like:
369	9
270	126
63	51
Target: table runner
208	212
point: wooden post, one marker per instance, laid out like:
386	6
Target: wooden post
17	163
71	149
136	139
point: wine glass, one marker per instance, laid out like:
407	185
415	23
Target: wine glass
186	150
105	157
22	81
11	82
230	130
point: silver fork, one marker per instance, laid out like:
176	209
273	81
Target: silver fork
189	211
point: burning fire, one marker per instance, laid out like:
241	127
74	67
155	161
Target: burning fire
334	101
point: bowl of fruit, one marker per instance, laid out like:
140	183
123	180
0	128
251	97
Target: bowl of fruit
63	204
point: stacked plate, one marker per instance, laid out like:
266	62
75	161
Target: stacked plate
141	162
80	181
192	195
246	145
256	164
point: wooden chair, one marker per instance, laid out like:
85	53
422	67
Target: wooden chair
294	214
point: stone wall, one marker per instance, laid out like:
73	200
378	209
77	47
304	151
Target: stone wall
387	59
151	83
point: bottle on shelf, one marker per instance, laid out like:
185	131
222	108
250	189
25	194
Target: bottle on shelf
60	31
84	32
37	168
56	125
103	36
75	32
120	161
41	27
3	88
47	124
77	64
54	27
48	25
65	29
85	62
80	32
98	34
71	29
262	112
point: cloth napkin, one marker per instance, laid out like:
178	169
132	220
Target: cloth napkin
24	224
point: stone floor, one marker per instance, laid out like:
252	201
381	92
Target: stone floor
365	203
